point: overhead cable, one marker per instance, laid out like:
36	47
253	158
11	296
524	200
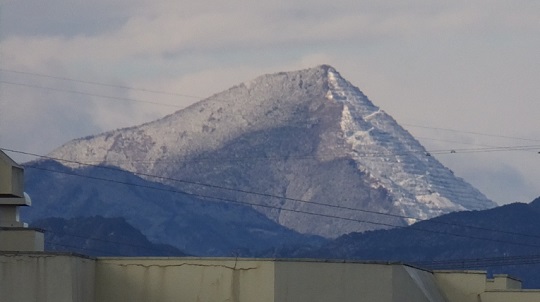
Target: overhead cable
272	196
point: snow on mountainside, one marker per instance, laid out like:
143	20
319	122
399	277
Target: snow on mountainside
396	160
307	135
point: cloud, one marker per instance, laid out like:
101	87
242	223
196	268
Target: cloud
64	18
36	121
460	64
500	180
486	162
168	28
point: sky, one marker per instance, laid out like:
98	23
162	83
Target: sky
462	76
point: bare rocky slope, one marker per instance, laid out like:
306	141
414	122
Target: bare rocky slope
319	154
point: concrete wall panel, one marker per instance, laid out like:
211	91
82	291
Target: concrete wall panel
46	278
461	286
507	296
415	285
183	279
323	282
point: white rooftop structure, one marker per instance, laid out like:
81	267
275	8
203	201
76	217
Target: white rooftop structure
15	234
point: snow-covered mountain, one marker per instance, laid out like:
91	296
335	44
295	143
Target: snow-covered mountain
308	146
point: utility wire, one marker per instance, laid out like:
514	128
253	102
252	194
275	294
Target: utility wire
206	185
453	142
308	156
432	264
101	240
232	189
287	209
471	132
489	149
484	262
90	94
78	248
479	262
192	96
274	196
371	154
195	97
98	83
486	150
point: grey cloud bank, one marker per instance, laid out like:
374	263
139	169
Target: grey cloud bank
467	66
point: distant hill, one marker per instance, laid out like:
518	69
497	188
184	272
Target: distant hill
99	236
505	239
196	226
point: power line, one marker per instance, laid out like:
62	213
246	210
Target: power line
273	196
99	83
90	94
373	154
78	248
495	148
490	149
453	141
101	240
205	185
197	195
198	97
471	132
220	187
479	262
487	149
191	96
431	264
286	209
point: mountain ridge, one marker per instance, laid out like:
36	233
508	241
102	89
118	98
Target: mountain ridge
504	239
100	236
307	135
195	225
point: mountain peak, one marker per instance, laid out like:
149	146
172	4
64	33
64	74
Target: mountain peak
326	68
307	135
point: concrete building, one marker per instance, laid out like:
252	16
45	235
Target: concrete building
28	274
47	277
14	234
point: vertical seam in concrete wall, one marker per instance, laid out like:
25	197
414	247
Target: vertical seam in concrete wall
235	290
